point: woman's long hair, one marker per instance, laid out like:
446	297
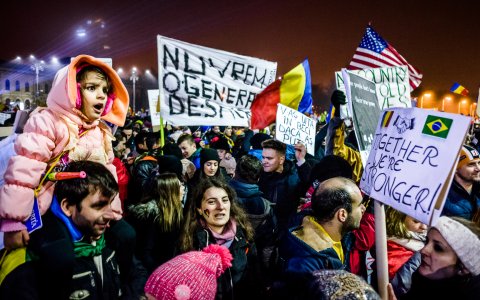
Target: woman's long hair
192	219
169	202
396	224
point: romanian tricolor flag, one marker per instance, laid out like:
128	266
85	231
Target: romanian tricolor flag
294	90
458	89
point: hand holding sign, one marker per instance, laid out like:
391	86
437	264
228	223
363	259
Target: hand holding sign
300	152
338	98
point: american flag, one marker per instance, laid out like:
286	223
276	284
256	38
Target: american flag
375	52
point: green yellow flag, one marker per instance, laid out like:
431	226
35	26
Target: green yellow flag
437	126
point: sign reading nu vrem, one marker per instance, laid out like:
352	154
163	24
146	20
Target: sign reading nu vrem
204	86
412	160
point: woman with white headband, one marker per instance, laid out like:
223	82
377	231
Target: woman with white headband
450	263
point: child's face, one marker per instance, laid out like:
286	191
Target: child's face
94	95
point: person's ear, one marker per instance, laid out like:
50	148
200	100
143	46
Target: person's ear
282	159
342	215
199	211
67	209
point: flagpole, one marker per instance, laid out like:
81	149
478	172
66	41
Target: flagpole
162	136
381	249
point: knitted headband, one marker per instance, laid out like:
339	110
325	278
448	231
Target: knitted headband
463	241
467	154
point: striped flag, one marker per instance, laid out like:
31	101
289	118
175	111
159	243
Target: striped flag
459	89
375	52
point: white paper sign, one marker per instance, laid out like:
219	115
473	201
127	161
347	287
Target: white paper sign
205	86
392	84
292	127
153	106
411	160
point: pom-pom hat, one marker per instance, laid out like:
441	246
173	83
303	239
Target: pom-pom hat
192	275
467	154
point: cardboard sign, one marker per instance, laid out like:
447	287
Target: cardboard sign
292	127
205	86
412	160
365	111
392	86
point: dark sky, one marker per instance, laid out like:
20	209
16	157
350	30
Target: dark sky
442	40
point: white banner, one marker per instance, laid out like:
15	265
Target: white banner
205	86
392	84
153	107
292	127
412	160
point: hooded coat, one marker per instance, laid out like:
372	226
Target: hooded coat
51	130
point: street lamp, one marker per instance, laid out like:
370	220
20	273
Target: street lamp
37	67
443	102
460	103
421	99
134	78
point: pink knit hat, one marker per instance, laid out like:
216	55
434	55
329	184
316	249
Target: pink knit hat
192	275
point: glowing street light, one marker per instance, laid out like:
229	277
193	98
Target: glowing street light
428	95
37	66
443	102
134	78
460	103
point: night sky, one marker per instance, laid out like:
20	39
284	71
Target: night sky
439	39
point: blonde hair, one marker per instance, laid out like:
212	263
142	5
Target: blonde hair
169	202
396	224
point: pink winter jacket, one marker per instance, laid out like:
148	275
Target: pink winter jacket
47	133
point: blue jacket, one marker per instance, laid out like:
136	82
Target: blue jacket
249	196
460	203
300	258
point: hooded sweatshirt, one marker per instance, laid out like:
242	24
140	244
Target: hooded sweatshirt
51	130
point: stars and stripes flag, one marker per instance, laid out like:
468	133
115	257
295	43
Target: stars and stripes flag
375	52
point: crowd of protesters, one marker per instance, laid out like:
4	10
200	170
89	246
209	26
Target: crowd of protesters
212	212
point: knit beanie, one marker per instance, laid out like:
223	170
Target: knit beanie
339	284
463	241
170	164
221	143
257	139
208	154
192	275
467	154
172	149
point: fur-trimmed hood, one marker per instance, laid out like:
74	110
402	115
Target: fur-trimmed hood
145	211
63	95
311	235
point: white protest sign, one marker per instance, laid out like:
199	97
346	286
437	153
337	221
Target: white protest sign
411	161
205	86
153	105
4	117
292	127
392	86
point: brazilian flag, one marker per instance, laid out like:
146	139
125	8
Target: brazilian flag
437	126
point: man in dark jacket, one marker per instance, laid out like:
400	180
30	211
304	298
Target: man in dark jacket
322	242
69	257
463	199
283	182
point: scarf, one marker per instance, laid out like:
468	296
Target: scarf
226	237
83	249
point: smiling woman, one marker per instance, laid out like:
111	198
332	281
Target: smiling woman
214	217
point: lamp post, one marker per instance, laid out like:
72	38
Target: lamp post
460	103
443	102
37	67
421	99
134	78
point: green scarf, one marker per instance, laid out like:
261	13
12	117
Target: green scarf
83	249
